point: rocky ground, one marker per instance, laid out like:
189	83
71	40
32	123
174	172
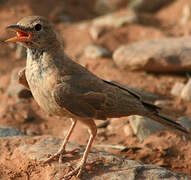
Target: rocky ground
146	49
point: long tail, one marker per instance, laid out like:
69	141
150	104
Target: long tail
153	112
156	116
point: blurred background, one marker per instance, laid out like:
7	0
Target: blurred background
143	44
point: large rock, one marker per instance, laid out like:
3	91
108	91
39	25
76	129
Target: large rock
26	154
159	55
115	19
107	6
148	5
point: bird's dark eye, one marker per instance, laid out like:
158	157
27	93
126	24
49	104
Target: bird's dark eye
38	27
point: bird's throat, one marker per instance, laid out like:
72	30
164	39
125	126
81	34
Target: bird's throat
35	54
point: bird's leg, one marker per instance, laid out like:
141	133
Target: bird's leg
62	150
93	131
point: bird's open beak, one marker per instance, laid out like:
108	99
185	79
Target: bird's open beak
22	36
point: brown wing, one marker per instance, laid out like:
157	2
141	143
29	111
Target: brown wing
86	105
136	95
125	88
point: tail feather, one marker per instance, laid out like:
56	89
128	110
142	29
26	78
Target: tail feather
168	123
154	113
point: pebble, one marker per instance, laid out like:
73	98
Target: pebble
9	131
177	88
95	52
186	91
96	31
128	130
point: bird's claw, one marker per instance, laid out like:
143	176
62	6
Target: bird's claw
59	155
75	172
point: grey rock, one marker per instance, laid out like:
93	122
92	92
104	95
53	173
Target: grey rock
177	88
30	132
128	130
15	89
95	52
111	166
147	5
96	31
9	131
185	121
108	6
116	19
186	91
65	18
157	55
144	127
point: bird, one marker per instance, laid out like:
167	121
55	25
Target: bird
63	87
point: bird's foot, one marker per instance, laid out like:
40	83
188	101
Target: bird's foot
75	172
78	170
59	155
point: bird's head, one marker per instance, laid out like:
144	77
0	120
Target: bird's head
34	32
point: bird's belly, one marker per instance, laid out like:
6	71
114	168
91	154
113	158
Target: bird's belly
45	100
41	89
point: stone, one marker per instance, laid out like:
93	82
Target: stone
96	31
148	5
144	127
185	121
9	131
186	91
177	88
157	55
108	6
32	151
116	19
15	89
95	52
30	132
128	130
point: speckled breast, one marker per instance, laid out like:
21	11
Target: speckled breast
42	80
42	92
